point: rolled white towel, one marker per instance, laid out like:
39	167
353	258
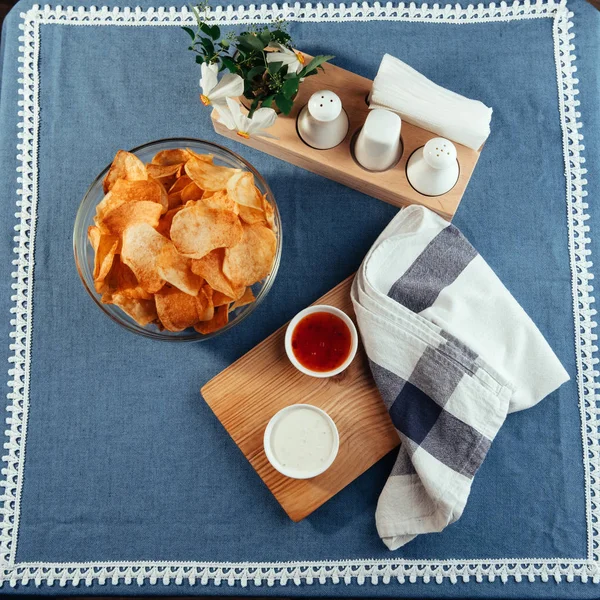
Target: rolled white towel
452	352
425	104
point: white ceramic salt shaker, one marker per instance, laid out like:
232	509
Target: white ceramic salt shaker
433	169
378	145
323	123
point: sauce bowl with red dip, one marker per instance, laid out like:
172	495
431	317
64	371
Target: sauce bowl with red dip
321	341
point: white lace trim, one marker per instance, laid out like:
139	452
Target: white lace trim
270	574
356	11
583	301
22	312
360	571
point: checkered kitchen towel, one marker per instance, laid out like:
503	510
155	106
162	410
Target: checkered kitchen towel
452	353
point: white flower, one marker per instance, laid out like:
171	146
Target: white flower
214	91
294	60
232	117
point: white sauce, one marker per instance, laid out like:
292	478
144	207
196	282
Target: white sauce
302	440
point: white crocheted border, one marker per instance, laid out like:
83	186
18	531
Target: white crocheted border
360	571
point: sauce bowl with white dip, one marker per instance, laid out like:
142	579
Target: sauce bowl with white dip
301	441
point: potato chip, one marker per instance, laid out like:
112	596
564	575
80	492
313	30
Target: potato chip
176	310
251	215
164	198
105	247
196	230
123	281
247	298
130	191
180	184
141	311
242	190
135	191
175	200
106	205
131	213
269	212
169	182
162	171
220	201
250	260
142	245
210	268
204	303
124	166
176	270
219	298
164	225
166	174
208	176
190	193
219	320
173	156
205	157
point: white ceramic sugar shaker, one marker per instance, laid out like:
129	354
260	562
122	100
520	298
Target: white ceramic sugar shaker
433	169
323	123
378	146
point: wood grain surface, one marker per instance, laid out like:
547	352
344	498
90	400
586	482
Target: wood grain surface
339	164
249	392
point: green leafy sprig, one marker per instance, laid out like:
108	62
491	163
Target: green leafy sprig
266	84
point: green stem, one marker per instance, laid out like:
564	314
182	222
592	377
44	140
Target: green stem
253	107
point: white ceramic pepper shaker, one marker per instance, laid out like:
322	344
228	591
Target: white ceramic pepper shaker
378	146
323	123
433	169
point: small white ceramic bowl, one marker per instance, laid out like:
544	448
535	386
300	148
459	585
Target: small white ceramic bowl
299	473
328	309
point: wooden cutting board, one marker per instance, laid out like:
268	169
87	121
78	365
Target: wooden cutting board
249	392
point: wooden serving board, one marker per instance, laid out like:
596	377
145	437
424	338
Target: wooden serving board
248	393
338	163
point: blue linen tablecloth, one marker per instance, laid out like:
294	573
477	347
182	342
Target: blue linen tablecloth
119	479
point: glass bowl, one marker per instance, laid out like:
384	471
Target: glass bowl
84	253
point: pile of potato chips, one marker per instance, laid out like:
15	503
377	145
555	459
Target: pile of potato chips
180	241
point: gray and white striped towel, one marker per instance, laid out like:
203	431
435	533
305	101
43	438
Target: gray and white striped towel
452	352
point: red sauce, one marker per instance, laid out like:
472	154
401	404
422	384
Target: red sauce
321	341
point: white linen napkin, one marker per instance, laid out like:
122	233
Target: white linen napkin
419	101
452	352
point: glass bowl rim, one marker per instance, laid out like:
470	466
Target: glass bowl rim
192	337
